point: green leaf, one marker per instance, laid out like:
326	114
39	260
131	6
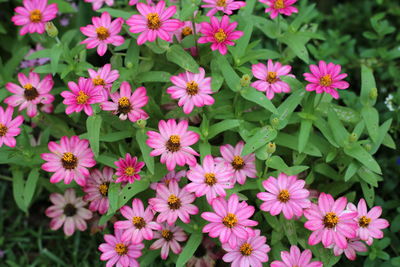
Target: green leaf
285	110
131	190
183	59
93	125
145	149
18	189
55	54
222	127
290	229
351	170
116	13
290	141
205	149
359	153
371	118
44	53
113	196
231	77
339	132
259	98
239	50
188	9
368	176
367	84
153	76
189	249
297	42
304	134
382	133
132	55
369	193
106	160
115	136
259	139
63	6
30	186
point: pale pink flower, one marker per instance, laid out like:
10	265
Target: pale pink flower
226	6
34	15
97	4
104	76
68	210
128	169
173	143
169	177
296	258
69	160
133	2
167	239
276	7
9	127
30	63
354	245
31	93
102	33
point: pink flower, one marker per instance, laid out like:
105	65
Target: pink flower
269	78
219	33
153	22
248	252
167	239
31	93
97	4
104	76
173	143
133	2
128	169
296	258
369	223
206	255
326	78
185	31
68	210
172	202
285	194
9	128
276	7
96	189
211	179
126	104
353	245
121	253
330	222
34	15
69	160
102	33
82	96
226	6
230	220
169	177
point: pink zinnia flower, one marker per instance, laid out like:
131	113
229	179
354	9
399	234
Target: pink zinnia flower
96	189
169	177
369	223
285	194
192	90
9	127
34	15
69	160
97	4
330	222
248	252
172	202
120	252
219	33
269	78
68	210
230	220
326	78
104	76
126	104
128	169
167	239
211	179
31	93
82	96
133	2
296	258
226	6
354	245
276	7
153	22
102	33
173	143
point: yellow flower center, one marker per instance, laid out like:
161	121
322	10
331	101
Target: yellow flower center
102	33
237	163
209	179
103	189
326	80
364	221
69	161
98	81
130	171
220	36
30	92
331	220
186	31
221	3
138	222
82	98
35	15
272	77
174	143
121	249
167	234
279	4
153	21
174	202
284	196
3	130
192	88
230	220
246	249
124	105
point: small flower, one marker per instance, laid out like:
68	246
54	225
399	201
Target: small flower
168	238
133	2
128	169
186	30
97	4
34	15
326	78
68	210
104	76
69	160
102	33
276	7
219	33
226	6
169	177
29	63
296	258
353	245
9	127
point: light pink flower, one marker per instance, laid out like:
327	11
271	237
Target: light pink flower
31	93
173	202
102	33
326	78
34	15
69	160
169	177
219	33
9	127
126	104
276	7
296	258
230	220
97	4
121	253
330	222
173	143
153	22
226	6
167	239
104	76
68	210
133	2
128	169
369	223
354	245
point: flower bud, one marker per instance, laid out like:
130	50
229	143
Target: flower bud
274	122
373	94
129	65
368	147
141	123
271	147
51	29
353	137
245	80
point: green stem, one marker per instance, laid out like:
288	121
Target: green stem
6	178
320	96
195	35
279	34
58	40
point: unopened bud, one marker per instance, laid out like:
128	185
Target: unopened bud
368	147
373	94
141	123
274	122
271	147
51	29
353	137
245	80
129	65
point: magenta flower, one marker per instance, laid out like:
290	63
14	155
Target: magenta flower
219	33
326	78
82	96
172	202
369	223
269	80
133	2
128	169
330	222
153	22
104	76
9	127
173	143
68	210
192	90
285	194
34	15
97	4
230	220
296	258
31	93
226	6
120	252
126	104
169	177
276	7
69	160
102	33
167	239
354	245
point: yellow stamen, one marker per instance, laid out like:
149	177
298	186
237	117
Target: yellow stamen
210	179
326	80
130	171
103	189
220	36
153	21
102	33
192	88
279	4
221	3
186	31
167	234
272	77
35	15
121	249
246	249
237	163
364	221
174	202
230	220
331	220
98	81
82	98
284	196
3	130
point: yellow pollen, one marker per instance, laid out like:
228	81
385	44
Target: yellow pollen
153	21
237	163
272	77
221	3
3	130
279	4
364	221
102	33
121	249
124	102
220	36
210	179
167	235
230	220
174	143
326	80
186	31
192	88
130	171
98	81
30	92
35	15
103	189
174	202
246	249
69	161
284	196
82	98
139	222
331	220
175	139
28	86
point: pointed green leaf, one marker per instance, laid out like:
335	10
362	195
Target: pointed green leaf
93	125
190	248
141	139
359	153
259	98
30	186
259	139
180	57
304	134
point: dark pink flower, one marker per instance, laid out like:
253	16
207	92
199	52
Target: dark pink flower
9	127
354	245
97	4
276	7
169	177
296	258
226	6
128	169
167	239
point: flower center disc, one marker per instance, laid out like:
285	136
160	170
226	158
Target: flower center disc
82	98
331	220
364	221
124	105
174	143
186	31
103	189
326	80
138	222
272	77
246	249
210	179
129	171
167	235
69	161
174	202
284	196
35	15
237	163
98	81
153	21
220	36
230	220
30	92
279	4
3	130
192	88
69	210
102	33
221	3
121	249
